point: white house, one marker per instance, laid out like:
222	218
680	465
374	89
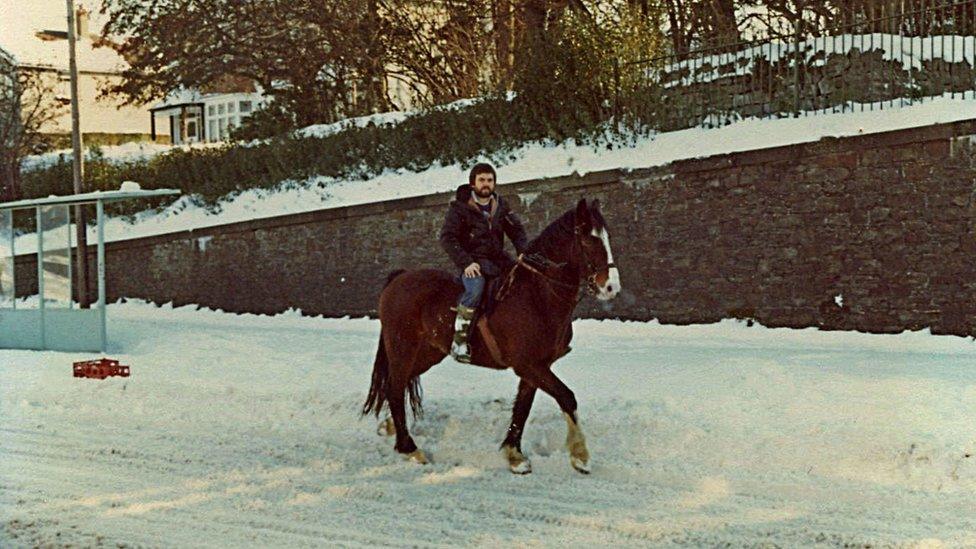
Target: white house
189	116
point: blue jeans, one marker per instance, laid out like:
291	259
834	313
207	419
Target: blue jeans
473	287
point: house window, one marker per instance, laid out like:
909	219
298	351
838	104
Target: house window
191	129
222	117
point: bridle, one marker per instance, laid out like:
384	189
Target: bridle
591	286
589	273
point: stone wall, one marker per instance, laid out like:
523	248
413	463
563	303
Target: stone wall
706	91
873	233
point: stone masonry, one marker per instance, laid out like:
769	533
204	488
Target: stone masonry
873	233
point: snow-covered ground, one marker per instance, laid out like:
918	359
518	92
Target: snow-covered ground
243	430
380	119
532	161
134	151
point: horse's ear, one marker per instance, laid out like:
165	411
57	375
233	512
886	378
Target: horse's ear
583	220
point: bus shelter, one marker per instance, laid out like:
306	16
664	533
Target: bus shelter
54	321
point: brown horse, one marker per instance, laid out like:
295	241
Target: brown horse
528	329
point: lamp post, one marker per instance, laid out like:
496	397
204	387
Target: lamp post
79	164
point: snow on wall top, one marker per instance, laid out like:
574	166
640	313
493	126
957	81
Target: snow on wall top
911	52
534	160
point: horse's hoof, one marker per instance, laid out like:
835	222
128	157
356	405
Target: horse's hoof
517	462
386	428
417	456
580	465
521	468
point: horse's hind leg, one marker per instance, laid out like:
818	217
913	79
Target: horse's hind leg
543	378
404	442
512	446
402	372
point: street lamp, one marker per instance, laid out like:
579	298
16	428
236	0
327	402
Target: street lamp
79	164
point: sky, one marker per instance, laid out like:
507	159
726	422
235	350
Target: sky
20	20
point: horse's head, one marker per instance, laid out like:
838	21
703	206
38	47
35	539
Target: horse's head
596	263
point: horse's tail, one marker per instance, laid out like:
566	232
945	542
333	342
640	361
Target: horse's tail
381	380
381	383
416	393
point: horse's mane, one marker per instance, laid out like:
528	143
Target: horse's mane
557	233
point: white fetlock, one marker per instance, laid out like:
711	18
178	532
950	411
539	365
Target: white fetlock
386	428
517	462
579	455
417	456
522	468
580	464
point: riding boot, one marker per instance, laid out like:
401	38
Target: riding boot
462	327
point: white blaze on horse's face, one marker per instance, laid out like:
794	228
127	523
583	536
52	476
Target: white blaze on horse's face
609	288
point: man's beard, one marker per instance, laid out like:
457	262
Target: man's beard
483	192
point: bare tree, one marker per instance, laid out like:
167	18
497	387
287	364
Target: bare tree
694	24
321	61
438	47
27	104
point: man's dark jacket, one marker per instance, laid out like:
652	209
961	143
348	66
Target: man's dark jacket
470	236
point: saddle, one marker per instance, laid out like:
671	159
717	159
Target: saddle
495	289
489	298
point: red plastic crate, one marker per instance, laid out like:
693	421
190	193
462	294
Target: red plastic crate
100	369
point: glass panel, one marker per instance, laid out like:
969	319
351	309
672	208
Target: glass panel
231	107
191	129
212	130
245	106
220	108
210	110
6	259
56	245
223	128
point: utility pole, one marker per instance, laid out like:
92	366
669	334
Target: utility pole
79	165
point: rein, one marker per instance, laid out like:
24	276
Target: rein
522	261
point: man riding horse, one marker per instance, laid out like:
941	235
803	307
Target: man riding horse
473	237
529	328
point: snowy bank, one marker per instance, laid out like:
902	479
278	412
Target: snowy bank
535	161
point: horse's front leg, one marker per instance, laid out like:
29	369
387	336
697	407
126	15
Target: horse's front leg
579	455
543	378
512	446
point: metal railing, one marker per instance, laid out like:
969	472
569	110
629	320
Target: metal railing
853	63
